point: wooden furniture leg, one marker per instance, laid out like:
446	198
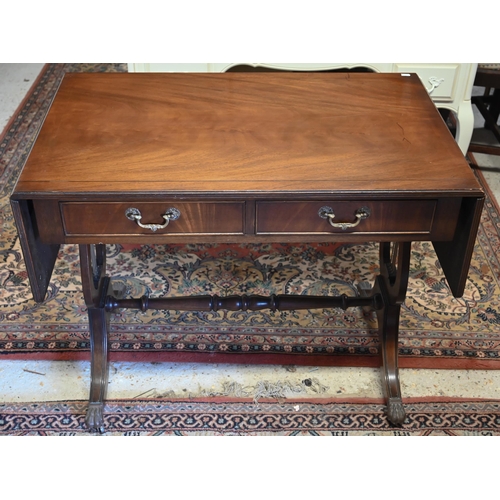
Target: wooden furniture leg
96	286
385	297
391	284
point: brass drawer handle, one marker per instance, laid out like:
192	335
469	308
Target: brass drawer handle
135	214
360	214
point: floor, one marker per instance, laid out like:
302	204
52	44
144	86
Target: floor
51	380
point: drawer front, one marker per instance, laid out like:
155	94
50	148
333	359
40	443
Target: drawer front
387	217
440	80
101	218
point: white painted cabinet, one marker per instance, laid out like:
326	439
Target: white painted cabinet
448	84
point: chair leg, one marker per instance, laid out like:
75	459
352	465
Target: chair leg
489	107
494	108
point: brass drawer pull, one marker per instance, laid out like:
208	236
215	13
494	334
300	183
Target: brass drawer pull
135	214
360	214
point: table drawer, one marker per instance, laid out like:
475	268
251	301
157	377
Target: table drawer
102	218
392	216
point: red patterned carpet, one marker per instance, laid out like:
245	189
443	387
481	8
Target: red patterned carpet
218	417
437	331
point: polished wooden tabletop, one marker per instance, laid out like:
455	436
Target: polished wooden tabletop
256	133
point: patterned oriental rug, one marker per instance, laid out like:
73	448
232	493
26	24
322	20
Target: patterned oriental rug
215	417
437	330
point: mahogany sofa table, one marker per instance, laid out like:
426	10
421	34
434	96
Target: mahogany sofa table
254	157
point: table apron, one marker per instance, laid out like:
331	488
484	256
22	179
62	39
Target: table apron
240	221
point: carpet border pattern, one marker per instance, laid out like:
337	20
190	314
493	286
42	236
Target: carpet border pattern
245	418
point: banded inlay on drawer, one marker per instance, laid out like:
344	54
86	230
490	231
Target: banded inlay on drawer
162	217
386	216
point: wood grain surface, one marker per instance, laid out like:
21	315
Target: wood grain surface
259	133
